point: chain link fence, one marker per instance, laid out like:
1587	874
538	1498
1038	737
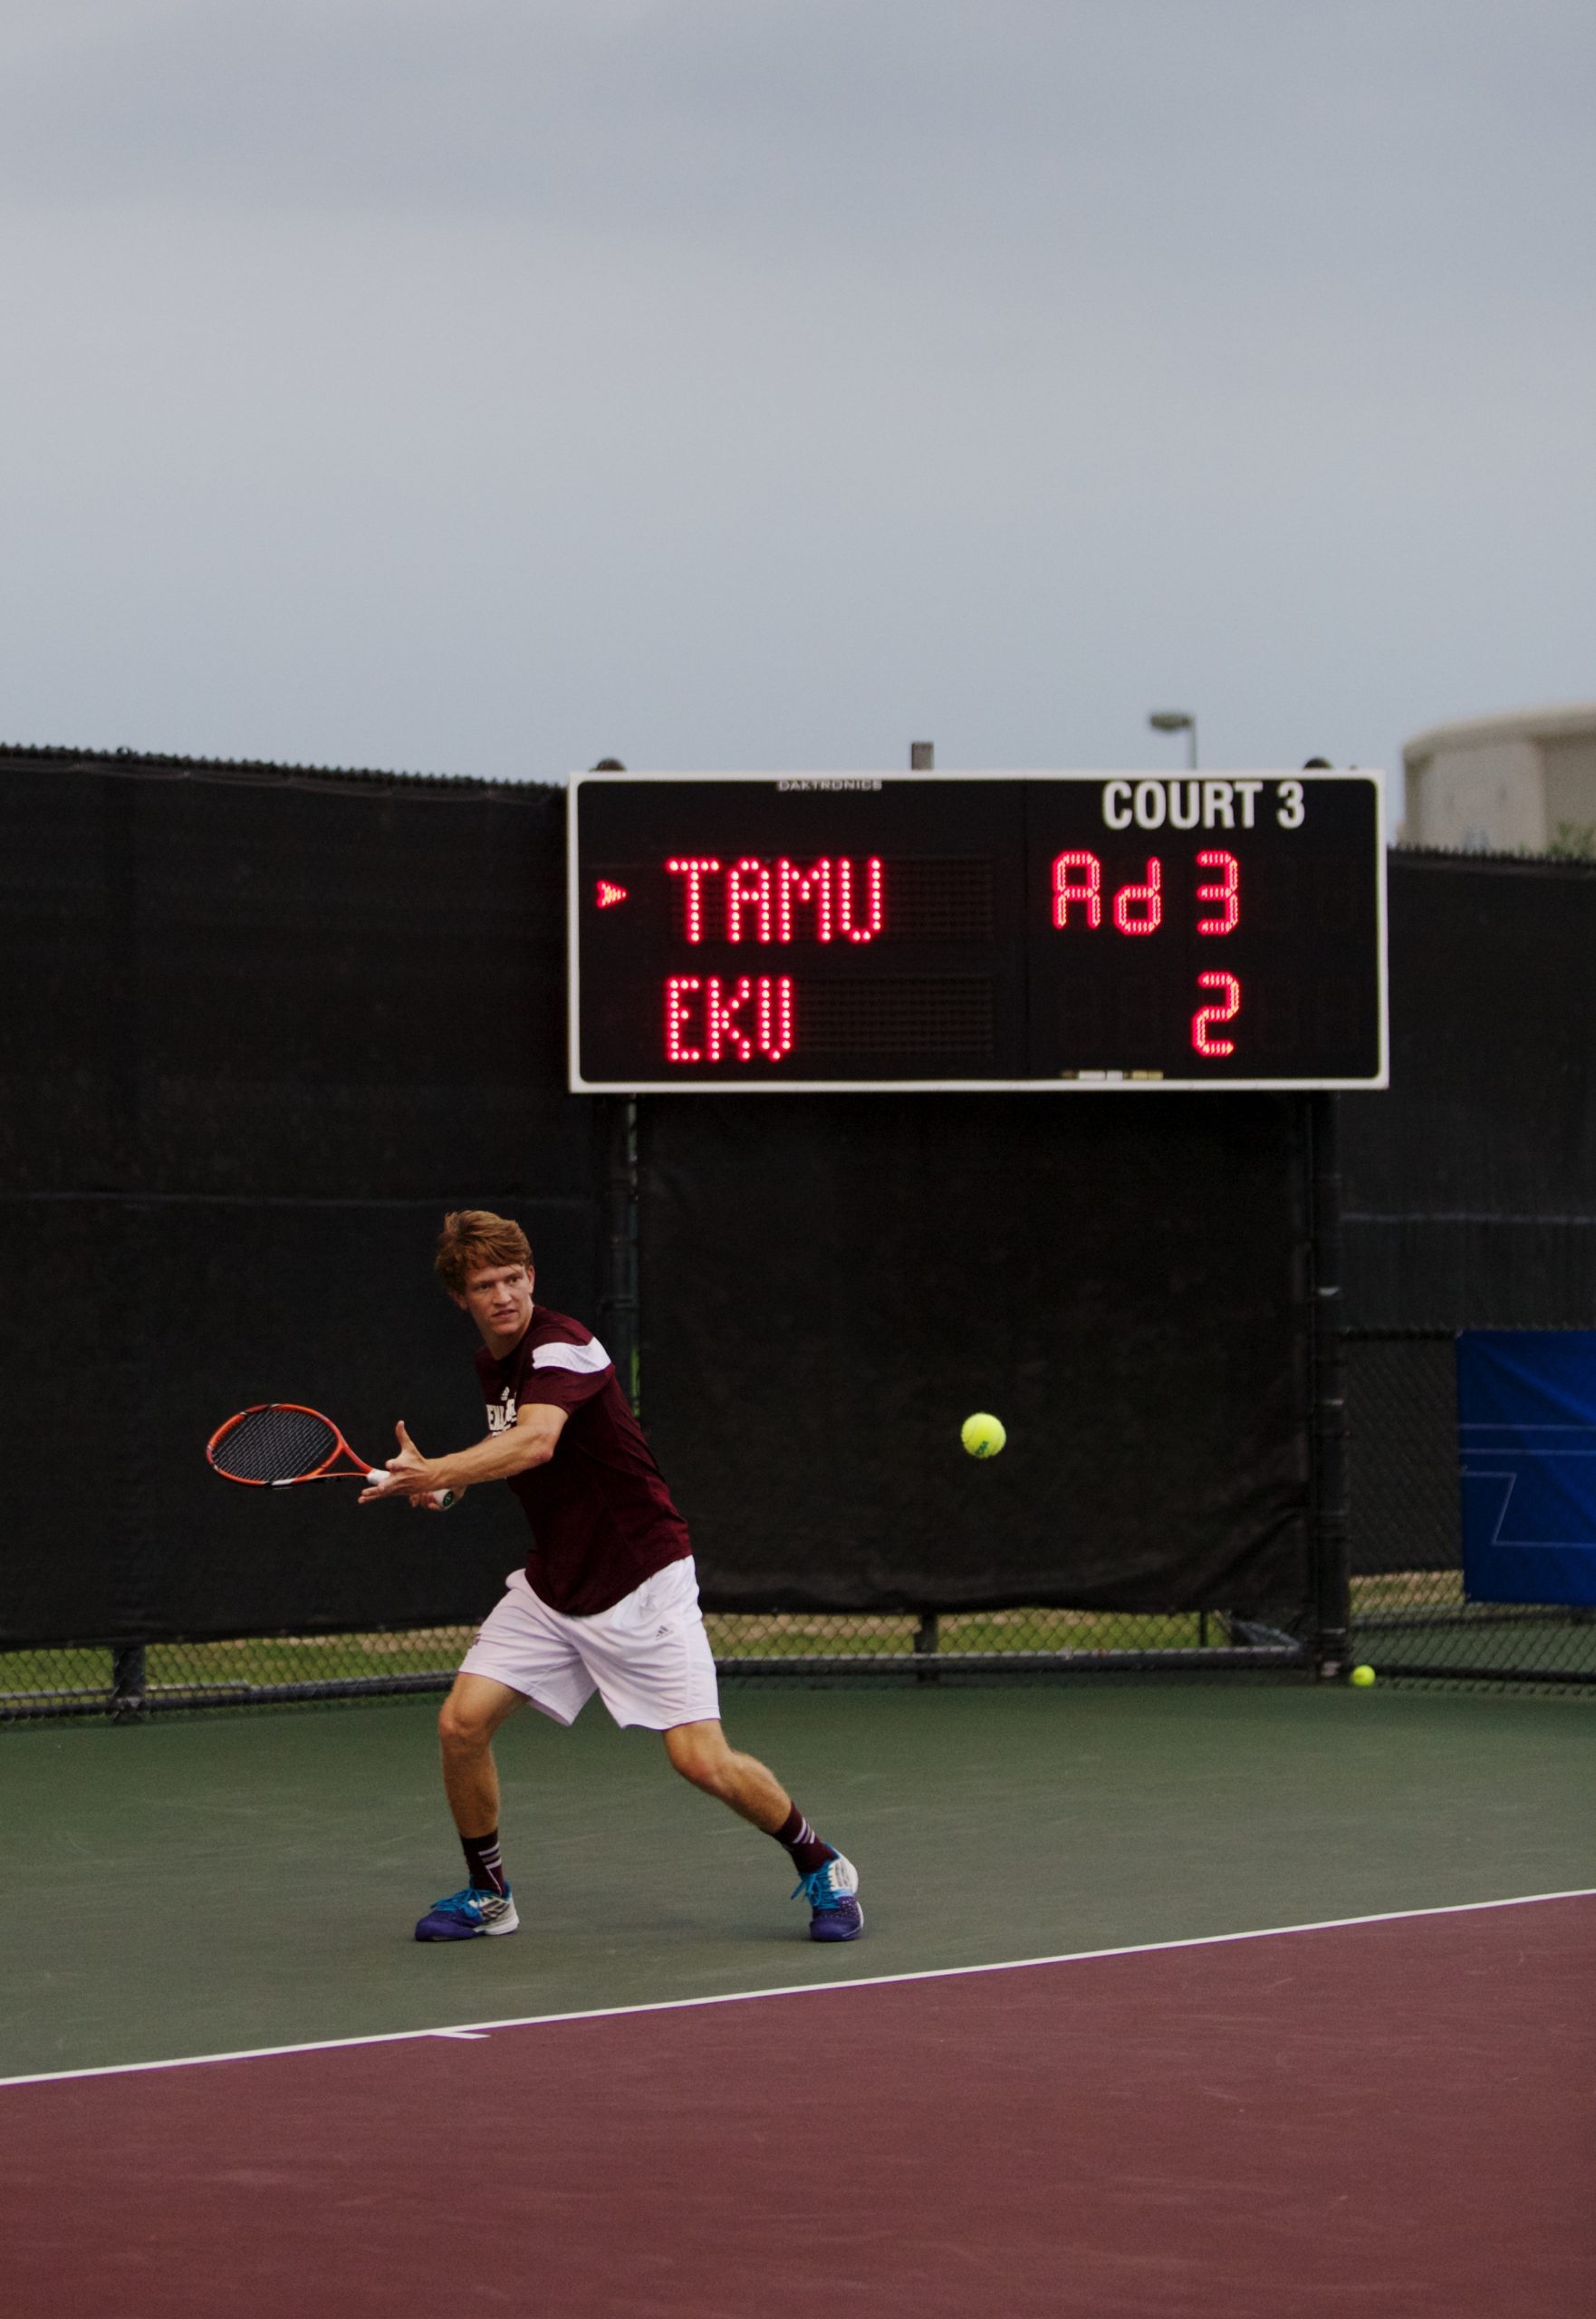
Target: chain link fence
1410	1617
129	1681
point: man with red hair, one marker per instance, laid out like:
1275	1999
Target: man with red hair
609	1600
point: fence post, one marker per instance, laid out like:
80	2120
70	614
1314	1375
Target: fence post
618	1314
925	1647
127	1681
1332	1601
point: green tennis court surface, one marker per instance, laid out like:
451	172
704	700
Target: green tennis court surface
223	1883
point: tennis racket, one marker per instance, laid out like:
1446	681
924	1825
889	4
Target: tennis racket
278	1443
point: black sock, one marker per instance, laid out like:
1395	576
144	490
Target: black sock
798	1838
483	1867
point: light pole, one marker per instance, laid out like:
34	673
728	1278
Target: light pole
1178	720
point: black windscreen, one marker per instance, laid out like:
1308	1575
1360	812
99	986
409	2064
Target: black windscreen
257	1039
830	1288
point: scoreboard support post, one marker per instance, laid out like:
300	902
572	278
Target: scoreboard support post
619	1311
1328	1512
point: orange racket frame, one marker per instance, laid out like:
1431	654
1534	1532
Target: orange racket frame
330	1470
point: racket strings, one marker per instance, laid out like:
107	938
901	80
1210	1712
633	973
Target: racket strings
275	1444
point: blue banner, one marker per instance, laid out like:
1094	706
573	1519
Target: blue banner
1527	1437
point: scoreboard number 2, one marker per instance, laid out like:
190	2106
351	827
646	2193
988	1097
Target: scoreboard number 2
1206	1015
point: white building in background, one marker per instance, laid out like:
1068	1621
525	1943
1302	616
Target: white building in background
1508	785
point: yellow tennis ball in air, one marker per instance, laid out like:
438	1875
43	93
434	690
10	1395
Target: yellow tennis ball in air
983	1434
1362	1677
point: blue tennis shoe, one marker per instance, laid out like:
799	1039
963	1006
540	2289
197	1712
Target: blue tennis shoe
833	1893
467	1915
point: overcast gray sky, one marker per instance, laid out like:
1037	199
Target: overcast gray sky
487	385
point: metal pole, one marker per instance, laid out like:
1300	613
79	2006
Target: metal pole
620	1306
925	1646
127	1681
1332	1585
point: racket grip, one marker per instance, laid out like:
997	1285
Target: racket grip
379	1477
443	1499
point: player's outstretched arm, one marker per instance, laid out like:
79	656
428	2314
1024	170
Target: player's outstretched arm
529	1442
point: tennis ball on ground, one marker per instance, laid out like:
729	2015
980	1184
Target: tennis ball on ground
1362	1677
982	1435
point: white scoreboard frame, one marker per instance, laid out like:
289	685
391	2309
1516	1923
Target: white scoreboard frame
1078	1083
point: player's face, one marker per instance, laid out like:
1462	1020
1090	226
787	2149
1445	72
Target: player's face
499	1300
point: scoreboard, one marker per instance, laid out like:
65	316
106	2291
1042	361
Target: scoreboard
1066	931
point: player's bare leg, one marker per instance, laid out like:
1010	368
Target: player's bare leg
699	1751
830	1884
467	1722
469	1717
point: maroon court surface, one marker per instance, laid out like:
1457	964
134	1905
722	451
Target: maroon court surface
1396	2117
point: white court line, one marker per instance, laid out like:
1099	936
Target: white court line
796	1988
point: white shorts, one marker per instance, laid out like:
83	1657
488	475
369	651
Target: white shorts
647	1656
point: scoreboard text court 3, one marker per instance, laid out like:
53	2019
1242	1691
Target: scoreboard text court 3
1071	931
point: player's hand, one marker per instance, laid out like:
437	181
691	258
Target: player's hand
409	1473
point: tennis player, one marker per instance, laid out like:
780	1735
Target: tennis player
609	1600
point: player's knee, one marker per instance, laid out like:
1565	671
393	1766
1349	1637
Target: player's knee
701	1758
461	1734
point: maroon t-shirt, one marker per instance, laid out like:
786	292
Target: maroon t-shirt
601	1517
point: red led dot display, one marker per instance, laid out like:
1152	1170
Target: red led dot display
803	889
1226	891
694	873
1139	910
1206	1016
775	1016
758	901
678	1013
1084	887
709	1019
860	919
747	895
